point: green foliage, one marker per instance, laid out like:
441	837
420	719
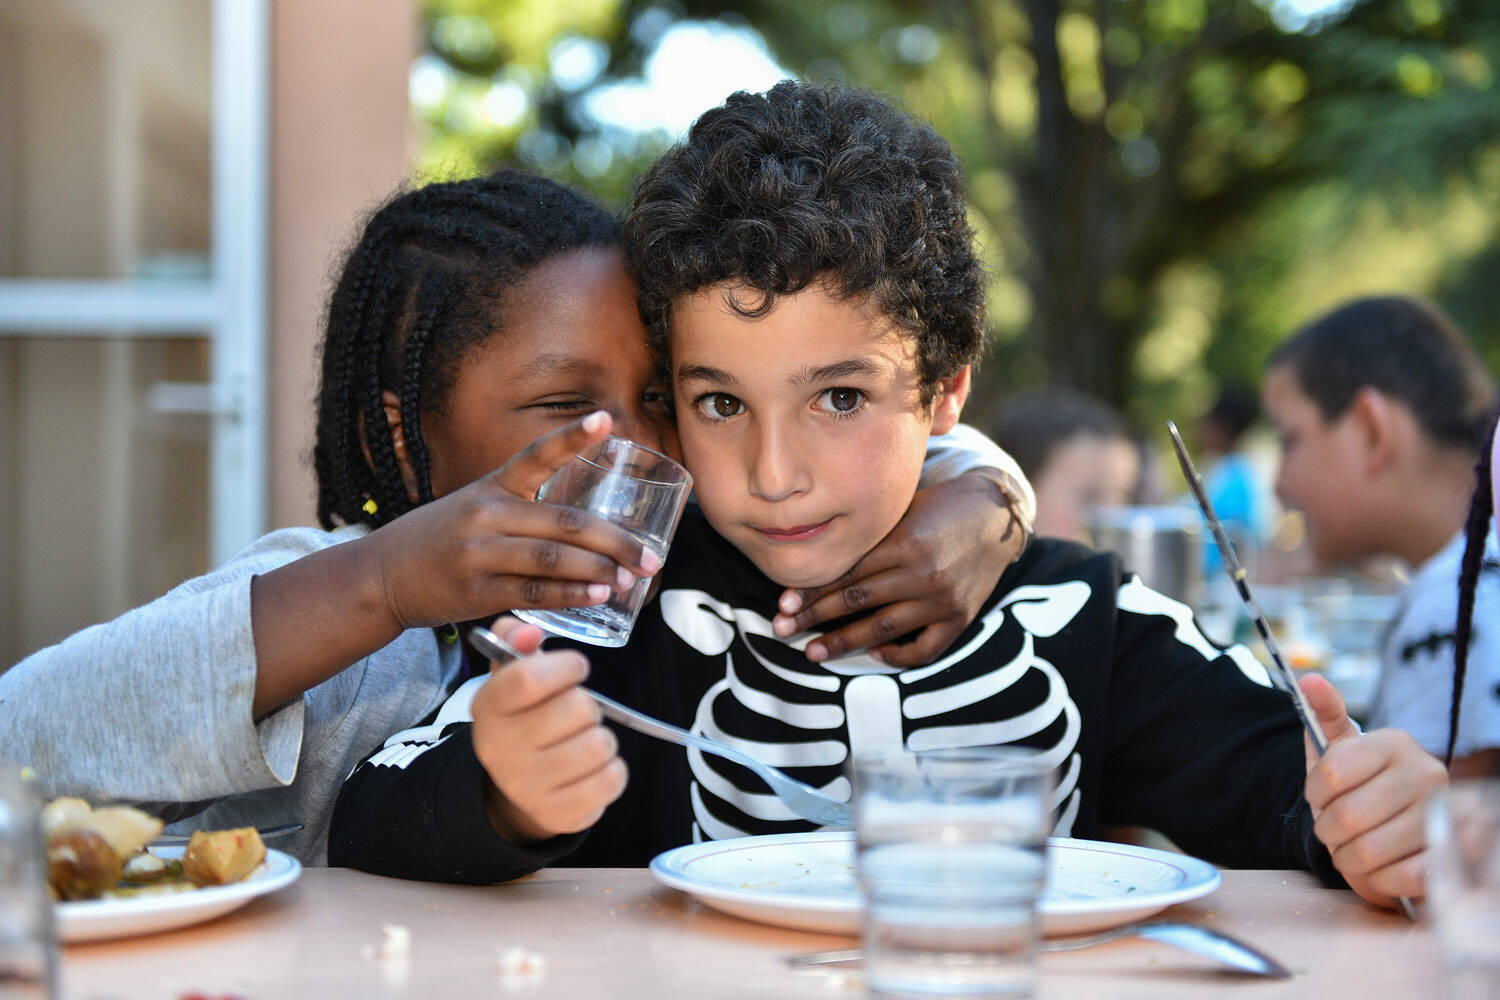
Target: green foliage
1164	188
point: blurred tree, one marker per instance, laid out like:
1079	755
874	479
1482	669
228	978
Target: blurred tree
1164	187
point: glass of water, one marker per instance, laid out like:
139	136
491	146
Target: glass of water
28	940
1463	888
951	857
642	491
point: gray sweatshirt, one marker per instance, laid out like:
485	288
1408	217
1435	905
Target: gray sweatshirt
154	707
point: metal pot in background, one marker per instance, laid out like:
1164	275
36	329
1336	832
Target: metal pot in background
1163	545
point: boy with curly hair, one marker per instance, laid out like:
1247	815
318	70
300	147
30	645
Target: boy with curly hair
807	270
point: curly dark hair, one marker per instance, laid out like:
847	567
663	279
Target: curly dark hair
425	284
803	183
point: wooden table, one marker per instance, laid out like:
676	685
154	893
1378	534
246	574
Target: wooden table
616	933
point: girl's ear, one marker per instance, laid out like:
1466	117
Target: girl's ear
948	404
392	404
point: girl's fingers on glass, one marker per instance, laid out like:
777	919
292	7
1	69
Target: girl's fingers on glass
530	467
533	592
609	556
512	526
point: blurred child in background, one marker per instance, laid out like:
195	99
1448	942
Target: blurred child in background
1382	406
1235	487
1076	450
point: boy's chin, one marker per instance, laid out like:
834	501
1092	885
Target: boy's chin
796	578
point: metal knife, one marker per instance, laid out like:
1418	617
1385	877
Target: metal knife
1282	675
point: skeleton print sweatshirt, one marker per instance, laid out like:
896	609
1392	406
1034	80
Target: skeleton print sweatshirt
1147	722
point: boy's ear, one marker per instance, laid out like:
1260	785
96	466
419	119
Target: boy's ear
392	404
1377	421
948	404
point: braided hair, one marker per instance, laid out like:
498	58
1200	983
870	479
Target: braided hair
424	285
1476	532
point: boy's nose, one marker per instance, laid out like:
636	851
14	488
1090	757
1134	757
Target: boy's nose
776	467
1281	488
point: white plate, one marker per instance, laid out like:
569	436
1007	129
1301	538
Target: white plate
98	919
806	881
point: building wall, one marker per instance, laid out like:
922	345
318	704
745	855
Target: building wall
340	142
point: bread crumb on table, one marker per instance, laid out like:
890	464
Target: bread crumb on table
518	964
395	944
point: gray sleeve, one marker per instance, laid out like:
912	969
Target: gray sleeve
156	704
964	449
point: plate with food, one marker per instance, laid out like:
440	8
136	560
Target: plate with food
109	881
806	881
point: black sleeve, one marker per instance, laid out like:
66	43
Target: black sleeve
415	809
1202	753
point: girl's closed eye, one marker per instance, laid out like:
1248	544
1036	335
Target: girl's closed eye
657	398
567	405
841	401
718	406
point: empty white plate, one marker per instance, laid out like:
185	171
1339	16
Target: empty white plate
806	881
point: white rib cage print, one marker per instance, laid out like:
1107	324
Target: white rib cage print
798	717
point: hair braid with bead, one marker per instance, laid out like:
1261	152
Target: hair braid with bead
1476	533
422	286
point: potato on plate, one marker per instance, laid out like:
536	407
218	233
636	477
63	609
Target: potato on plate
81	864
215	857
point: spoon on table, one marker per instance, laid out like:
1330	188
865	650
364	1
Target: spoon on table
802	799
1188	937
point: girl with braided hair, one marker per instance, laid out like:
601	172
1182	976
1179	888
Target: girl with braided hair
481	333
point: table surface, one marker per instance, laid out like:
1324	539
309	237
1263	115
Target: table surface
617	933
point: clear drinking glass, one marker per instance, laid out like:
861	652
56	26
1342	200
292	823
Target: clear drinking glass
951	857
1463	890
642	491
28	938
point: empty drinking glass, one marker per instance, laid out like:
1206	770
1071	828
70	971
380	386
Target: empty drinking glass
640	490
28	942
1463	839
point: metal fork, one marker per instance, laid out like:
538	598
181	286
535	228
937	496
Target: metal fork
801	798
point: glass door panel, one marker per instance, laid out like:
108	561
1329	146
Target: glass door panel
105	139
108	504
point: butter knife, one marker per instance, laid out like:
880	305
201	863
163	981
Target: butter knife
266	833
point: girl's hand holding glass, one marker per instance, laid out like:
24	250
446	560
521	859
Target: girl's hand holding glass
489	546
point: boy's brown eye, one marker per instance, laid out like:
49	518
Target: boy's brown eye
843	399
725	406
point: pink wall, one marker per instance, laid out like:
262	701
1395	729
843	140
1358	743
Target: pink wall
340	142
